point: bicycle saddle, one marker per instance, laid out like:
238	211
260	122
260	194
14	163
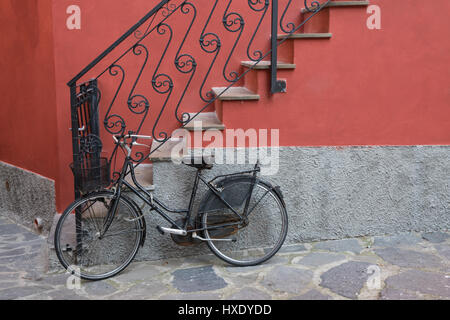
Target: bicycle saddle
199	162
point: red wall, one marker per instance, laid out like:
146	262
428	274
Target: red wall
103	22
28	129
362	87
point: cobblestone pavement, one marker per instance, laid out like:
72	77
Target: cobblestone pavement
407	266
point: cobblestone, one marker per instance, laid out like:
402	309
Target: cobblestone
197	279
287	279
316	259
435	237
414	281
192	296
400	240
409	258
99	288
443	251
250	294
346	245
313	295
412	266
347	279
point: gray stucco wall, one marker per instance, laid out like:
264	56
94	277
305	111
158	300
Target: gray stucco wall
25	196
332	193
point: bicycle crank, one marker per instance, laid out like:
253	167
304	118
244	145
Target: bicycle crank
180	237
177	232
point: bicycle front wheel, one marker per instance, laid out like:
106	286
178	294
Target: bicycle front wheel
81	248
262	233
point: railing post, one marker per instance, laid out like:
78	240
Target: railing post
76	158
277	86
75	135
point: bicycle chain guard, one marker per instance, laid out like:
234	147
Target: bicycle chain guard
221	233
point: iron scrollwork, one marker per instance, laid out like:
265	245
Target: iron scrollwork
257	6
234	23
311	6
114	123
210	43
184	62
184	66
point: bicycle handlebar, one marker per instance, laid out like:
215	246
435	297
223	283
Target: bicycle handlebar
117	138
122	141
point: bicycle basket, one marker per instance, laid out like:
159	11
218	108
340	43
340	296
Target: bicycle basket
92	174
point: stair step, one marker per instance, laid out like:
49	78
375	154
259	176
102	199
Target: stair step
348	3
235	94
209	121
164	153
265	65
144	176
334	4
306	36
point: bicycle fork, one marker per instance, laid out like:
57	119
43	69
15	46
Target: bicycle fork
110	216
115	203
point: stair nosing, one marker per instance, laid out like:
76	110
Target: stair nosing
251	96
280	65
216	126
337	4
164	157
306	36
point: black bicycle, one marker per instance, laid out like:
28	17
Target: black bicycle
242	218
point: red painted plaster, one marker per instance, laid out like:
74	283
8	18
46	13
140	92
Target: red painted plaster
362	87
28	108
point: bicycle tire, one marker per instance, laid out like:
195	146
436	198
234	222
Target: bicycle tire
250	243
68	241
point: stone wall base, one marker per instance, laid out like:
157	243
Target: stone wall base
26	196
330	193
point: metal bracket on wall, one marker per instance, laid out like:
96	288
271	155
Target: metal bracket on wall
280	86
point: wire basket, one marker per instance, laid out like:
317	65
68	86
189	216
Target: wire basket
92	174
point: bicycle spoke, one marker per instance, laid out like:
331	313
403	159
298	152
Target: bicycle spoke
98	258
93	220
81	213
121	232
262	234
265	194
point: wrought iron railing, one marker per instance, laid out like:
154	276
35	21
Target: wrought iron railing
85	97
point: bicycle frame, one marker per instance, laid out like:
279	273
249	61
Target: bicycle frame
158	206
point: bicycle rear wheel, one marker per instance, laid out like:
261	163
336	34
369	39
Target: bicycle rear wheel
79	246
253	241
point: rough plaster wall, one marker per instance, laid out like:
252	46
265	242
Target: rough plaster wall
332	193
337	193
25	196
